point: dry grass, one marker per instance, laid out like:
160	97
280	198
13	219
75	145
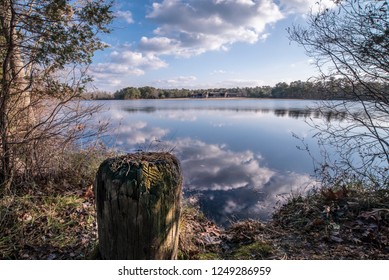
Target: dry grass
46	227
54	218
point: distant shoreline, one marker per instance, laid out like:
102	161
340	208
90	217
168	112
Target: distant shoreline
299	90
216	98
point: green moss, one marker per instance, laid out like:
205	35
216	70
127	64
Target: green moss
253	251
208	256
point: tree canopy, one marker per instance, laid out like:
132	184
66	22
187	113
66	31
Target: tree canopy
45	49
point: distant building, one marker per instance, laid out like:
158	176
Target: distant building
215	94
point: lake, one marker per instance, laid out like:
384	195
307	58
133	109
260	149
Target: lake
239	157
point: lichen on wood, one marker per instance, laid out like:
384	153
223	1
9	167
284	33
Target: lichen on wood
138	206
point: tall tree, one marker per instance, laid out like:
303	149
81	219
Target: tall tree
45	47
350	43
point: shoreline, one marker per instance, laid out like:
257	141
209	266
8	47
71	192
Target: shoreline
216	98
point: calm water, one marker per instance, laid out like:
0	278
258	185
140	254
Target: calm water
239	157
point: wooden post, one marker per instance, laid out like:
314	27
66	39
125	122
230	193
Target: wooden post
138	206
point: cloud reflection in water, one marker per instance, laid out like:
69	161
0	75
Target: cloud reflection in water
231	181
233	185
214	167
136	133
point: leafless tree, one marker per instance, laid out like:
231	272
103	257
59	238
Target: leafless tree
350	44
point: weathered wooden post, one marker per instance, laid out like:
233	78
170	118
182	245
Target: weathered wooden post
138	206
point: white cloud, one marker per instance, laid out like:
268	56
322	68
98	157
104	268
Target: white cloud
176	81
305	6
123	63
191	27
137	60
112	76
214	167
106	82
160	45
125	15
103	69
186	28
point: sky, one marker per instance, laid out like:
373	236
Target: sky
202	44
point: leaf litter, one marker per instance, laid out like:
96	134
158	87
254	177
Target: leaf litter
61	224
353	224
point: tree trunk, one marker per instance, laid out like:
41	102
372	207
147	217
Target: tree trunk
16	113
7	29
138	206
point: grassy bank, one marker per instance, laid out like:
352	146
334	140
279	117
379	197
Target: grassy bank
55	218
52	217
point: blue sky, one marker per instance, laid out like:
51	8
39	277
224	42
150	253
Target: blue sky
202	44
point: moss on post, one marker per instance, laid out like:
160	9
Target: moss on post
138	206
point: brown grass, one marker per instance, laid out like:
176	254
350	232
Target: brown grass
54	218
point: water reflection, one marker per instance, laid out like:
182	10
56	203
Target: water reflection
283	112
233	185
235	204
136	133
237	157
215	167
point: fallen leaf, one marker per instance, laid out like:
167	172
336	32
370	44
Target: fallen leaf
336	239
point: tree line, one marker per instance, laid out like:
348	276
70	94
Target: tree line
317	90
